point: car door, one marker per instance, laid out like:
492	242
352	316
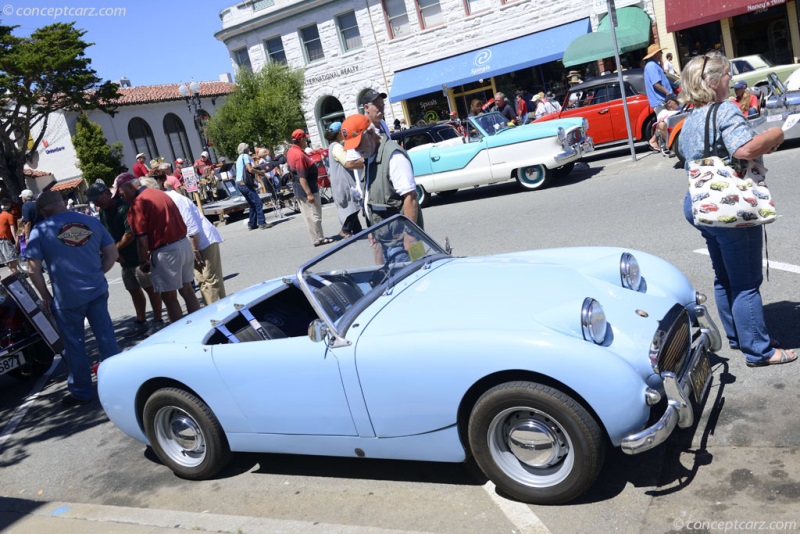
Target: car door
461	165
286	386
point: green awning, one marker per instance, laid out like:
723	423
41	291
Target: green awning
633	33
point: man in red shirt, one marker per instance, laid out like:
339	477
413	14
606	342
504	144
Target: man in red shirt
304	184
164	249
139	168
8	236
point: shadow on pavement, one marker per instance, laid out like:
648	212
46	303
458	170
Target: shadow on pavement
12	510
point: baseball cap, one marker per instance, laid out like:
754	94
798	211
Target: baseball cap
370	95
123	178
96	189
203	154
335	126
298	134
26	194
740	85
352	128
140	155
179	161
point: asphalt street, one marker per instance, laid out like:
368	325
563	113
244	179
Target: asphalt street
70	470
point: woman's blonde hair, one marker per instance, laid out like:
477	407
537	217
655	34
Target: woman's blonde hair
701	76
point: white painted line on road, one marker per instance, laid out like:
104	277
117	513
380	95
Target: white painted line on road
772	264
520	514
92	514
23	409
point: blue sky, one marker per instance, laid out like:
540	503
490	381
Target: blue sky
152	42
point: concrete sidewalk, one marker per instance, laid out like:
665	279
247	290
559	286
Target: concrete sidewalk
23	516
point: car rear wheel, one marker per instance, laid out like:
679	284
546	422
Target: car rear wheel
185	434
423	197
535	443
38	359
533	177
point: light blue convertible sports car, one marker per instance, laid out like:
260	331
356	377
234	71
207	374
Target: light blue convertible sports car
387	346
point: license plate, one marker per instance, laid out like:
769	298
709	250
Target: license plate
700	376
11	362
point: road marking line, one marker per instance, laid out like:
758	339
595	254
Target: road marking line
772	264
520	514
23	408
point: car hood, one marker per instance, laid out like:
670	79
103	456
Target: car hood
540	293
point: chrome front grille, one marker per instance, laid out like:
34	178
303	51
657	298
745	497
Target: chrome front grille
672	342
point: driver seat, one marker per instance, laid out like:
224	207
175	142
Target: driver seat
337	297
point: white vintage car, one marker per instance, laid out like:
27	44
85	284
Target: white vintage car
493	151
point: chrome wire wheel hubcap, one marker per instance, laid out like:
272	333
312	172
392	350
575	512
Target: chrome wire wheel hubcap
180	436
530	447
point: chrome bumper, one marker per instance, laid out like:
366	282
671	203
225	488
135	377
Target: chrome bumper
680	411
576	151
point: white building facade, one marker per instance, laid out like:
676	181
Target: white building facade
431	56
152	119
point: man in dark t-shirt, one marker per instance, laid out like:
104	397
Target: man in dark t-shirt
114	216
30	215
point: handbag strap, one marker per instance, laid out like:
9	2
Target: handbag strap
709	147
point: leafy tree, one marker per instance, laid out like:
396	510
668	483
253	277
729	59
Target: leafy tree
96	159
263	110
40	74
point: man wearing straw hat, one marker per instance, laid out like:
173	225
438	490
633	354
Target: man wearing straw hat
655	79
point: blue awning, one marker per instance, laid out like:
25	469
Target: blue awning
500	58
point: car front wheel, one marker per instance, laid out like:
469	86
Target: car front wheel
533	177
423	197
535	443
185	434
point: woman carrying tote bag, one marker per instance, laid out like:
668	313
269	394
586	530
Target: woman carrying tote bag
735	252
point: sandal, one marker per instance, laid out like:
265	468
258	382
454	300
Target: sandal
787	356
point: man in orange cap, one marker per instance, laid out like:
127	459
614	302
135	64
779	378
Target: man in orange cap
387	180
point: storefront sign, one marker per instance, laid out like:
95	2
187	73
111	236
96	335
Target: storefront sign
764	5
481	61
331	75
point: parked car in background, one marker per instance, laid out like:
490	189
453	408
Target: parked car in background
425	135
387	346
600	101
753	70
24	353
493	152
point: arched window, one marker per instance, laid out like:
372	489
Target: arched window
330	111
176	135
141	135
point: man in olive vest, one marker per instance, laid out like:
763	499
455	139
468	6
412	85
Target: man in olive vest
387	180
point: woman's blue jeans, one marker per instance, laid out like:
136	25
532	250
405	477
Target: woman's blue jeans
255	204
736	259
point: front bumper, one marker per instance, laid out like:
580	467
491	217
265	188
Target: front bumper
575	151
679	411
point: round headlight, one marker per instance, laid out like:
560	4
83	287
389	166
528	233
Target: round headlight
629	272
593	321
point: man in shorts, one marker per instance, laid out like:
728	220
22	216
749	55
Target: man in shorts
114	216
9	243
164	250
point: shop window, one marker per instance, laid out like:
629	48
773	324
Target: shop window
349	36
396	18
176	135
430	13
274	48
242	59
312	45
258	5
141	135
476	6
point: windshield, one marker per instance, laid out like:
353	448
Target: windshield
359	270
491	123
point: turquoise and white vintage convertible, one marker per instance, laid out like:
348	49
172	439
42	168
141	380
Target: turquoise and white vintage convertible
387	346
493	151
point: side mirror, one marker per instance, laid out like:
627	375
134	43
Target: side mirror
317	330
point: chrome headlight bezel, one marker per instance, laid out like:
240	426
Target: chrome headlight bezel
629	272
593	321
562	135
585	125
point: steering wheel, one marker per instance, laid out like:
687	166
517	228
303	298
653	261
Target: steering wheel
382	275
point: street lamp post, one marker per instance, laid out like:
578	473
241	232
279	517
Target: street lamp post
191	94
